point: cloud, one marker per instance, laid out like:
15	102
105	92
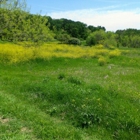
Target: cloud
111	19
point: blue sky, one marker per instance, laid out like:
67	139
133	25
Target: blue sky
112	14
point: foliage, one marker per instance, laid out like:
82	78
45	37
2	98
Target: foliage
96	37
102	61
111	40
61	76
74	29
114	53
129	38
135	41
108	39
74	80
93	29
63	38
91	40
66	39
74	41
13	5
11	53
18	25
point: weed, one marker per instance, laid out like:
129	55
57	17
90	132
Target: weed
46	79
74	80
102	61
61	76
11	53
114	53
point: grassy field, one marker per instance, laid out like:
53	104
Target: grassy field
61	92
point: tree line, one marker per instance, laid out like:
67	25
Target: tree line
17	24
68	31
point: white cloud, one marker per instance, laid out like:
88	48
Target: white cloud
111	19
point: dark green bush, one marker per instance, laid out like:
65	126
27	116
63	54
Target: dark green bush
74	41
61	76
74	81
63	38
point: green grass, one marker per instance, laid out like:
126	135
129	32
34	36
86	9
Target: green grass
71	99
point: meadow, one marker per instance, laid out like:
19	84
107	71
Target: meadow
65	92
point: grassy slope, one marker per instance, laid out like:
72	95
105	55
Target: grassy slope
71	99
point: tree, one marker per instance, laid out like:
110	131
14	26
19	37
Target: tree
91	40
74	29
2	2
13	4
96	37
135	41
17	24
128	37
110	40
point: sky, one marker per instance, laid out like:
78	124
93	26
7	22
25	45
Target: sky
111	14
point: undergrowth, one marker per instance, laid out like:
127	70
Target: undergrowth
11	53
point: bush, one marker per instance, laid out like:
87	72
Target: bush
74	41
90	40
63	38
135	42
102	61
114	53
61	76
96	37
110	43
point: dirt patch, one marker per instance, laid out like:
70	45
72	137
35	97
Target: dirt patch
25	130
4	120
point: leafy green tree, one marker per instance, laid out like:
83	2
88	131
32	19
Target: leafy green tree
91	40
110	40
92	28
74	29
2	2
96	37
13	4
17	24
135	41
128	37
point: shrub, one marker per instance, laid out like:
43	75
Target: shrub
74	41
17	53
135	42
102	61
96	37
90	40
99	46
63	38
86	119
61	76
114	53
